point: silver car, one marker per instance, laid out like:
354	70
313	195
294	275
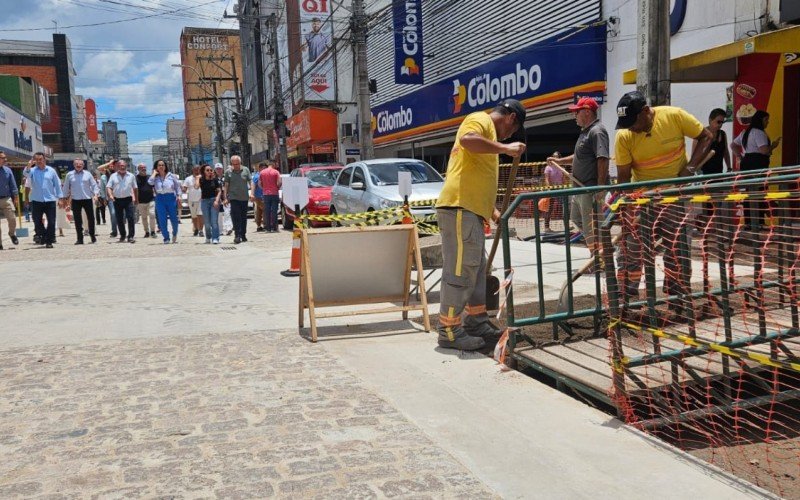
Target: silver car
372	185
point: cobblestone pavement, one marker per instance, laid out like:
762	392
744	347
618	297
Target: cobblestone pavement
247	415
108	247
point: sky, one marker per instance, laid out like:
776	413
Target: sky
122	51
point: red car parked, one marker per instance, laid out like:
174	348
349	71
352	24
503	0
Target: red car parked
320	183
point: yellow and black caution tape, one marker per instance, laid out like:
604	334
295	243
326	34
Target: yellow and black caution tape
760	358
703	198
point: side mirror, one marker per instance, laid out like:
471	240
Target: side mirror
358	186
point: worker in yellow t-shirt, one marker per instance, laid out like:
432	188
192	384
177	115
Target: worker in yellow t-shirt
466	201
650	145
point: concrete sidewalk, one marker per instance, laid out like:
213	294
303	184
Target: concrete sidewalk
517	436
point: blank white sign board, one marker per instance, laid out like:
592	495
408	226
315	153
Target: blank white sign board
359	265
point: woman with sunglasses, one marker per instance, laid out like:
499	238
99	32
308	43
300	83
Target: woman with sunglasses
719	145
168	195
210	191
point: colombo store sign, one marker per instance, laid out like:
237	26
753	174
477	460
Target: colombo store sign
537	70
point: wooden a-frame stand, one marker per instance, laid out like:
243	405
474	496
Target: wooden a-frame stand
413	258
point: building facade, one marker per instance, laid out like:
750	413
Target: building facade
176	140
109	131
431	63
50	65
211	65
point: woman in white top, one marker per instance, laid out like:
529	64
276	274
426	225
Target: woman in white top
168	198
752	146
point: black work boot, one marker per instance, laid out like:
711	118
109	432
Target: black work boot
479	326
457	338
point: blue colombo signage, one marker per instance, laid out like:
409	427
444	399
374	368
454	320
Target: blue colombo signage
566	63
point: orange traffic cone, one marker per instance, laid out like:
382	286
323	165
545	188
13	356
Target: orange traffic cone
407	215
294	267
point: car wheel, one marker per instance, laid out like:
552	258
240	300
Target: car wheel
334	213
288	224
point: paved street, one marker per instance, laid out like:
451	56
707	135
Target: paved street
153	370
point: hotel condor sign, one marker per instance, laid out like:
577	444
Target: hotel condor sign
199	42
533	71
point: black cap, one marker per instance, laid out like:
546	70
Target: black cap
517	108
629	108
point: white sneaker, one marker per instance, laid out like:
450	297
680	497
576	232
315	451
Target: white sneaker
208	241
215	241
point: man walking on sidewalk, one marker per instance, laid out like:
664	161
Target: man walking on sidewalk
258	194
237	184
45	191
466	202
146	206
8	193
124	194
80	191
271	182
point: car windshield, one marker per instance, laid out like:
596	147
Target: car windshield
321	178
385	174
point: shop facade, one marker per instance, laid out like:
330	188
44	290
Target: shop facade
545	68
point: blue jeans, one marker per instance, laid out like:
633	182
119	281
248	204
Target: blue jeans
271	202
167	207
210	218
113	214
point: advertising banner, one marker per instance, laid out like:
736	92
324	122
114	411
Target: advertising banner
91	120
530	72
316	39
408	42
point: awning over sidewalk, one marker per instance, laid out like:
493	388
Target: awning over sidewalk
719	64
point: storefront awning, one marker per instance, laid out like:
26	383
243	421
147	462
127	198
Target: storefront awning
719	64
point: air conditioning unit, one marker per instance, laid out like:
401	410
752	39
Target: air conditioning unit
348	130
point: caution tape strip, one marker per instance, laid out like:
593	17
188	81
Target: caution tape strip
763	359
703	198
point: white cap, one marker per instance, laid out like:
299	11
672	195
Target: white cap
218	165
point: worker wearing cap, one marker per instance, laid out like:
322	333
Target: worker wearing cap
466	201
589	165
650	145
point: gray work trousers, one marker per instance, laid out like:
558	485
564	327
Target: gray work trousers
582	215
464	268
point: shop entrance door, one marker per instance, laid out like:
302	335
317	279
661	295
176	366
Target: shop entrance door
791	115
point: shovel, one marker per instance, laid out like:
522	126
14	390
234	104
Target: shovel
492	282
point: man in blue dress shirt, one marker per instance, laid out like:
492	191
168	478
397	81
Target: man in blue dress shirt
80	191
45	191
8	193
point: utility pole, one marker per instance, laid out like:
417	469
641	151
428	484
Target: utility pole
277	98
217	122
240	122
653	64
359	29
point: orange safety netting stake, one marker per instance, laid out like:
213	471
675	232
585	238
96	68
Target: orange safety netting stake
294	266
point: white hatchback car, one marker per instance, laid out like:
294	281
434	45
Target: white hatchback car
371	185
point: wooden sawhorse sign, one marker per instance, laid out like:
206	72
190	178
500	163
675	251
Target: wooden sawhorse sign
358	266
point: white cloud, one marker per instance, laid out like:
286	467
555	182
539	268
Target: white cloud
107	66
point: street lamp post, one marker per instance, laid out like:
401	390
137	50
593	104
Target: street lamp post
213	92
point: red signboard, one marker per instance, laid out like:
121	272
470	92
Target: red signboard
91	120
322	149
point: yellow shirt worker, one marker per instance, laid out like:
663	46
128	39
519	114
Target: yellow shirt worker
650	145
651	141
466	201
